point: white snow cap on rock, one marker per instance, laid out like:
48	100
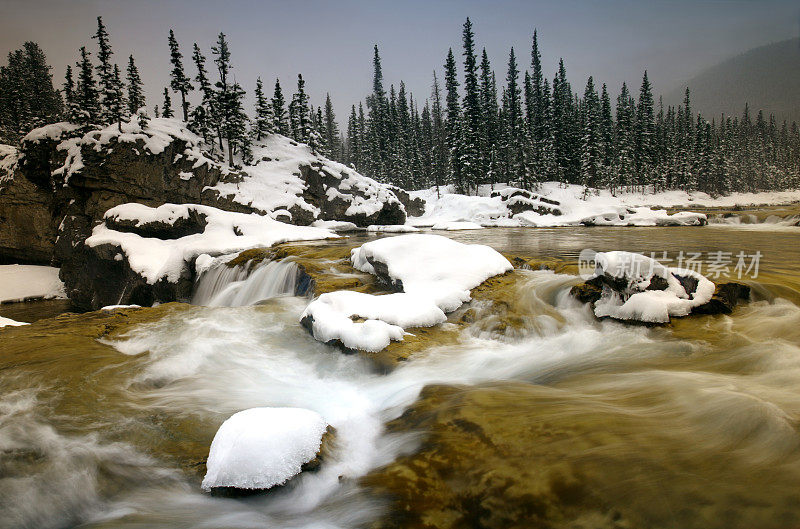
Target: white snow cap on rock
225	232
432	265
386	317
260	448
436	274
637	303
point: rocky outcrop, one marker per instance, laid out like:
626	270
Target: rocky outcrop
521	200
726	295
28	226
57	187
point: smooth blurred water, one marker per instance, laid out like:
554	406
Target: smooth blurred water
79	435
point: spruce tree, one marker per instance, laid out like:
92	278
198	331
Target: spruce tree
117	102
262	125
136	98
105	72
202	120
515	134
645	132
591	154
302	117
86	96
179	81
279	116
470	155
69	96
166	108
453	122
331	130
377	108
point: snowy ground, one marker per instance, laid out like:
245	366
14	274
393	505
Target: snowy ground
23	282
597	207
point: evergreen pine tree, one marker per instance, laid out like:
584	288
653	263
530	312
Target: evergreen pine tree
644	154
179	81
86	96
135	93
263	122
105	72
117	108
331	130
470	155
280	119
202	117
166	108
453	122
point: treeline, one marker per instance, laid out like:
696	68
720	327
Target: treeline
98	93
471	130
468	133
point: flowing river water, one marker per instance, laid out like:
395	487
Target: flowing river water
106	417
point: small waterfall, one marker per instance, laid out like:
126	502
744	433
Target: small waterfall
224	286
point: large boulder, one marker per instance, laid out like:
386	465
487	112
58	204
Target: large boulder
631	287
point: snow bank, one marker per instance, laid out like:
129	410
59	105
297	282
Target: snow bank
335	225
637	273
578	206
386	317
225	232
431	265
21	282
456	225
392	228
260	448
8	322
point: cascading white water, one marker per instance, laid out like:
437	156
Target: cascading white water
224	286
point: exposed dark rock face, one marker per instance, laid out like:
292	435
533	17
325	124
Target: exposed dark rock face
415	207
27	225
726	297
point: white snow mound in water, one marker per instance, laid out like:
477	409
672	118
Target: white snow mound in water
386	318
432	266
635	302
260	448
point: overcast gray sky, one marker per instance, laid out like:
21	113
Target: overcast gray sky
330	43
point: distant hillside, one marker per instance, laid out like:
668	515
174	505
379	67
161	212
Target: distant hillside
767	77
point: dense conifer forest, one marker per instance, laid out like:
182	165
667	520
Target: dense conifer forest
478	125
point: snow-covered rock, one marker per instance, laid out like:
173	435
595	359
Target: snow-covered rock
434	274
261	448
430	265
636	287
141	255
288	177
330	318
27	282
